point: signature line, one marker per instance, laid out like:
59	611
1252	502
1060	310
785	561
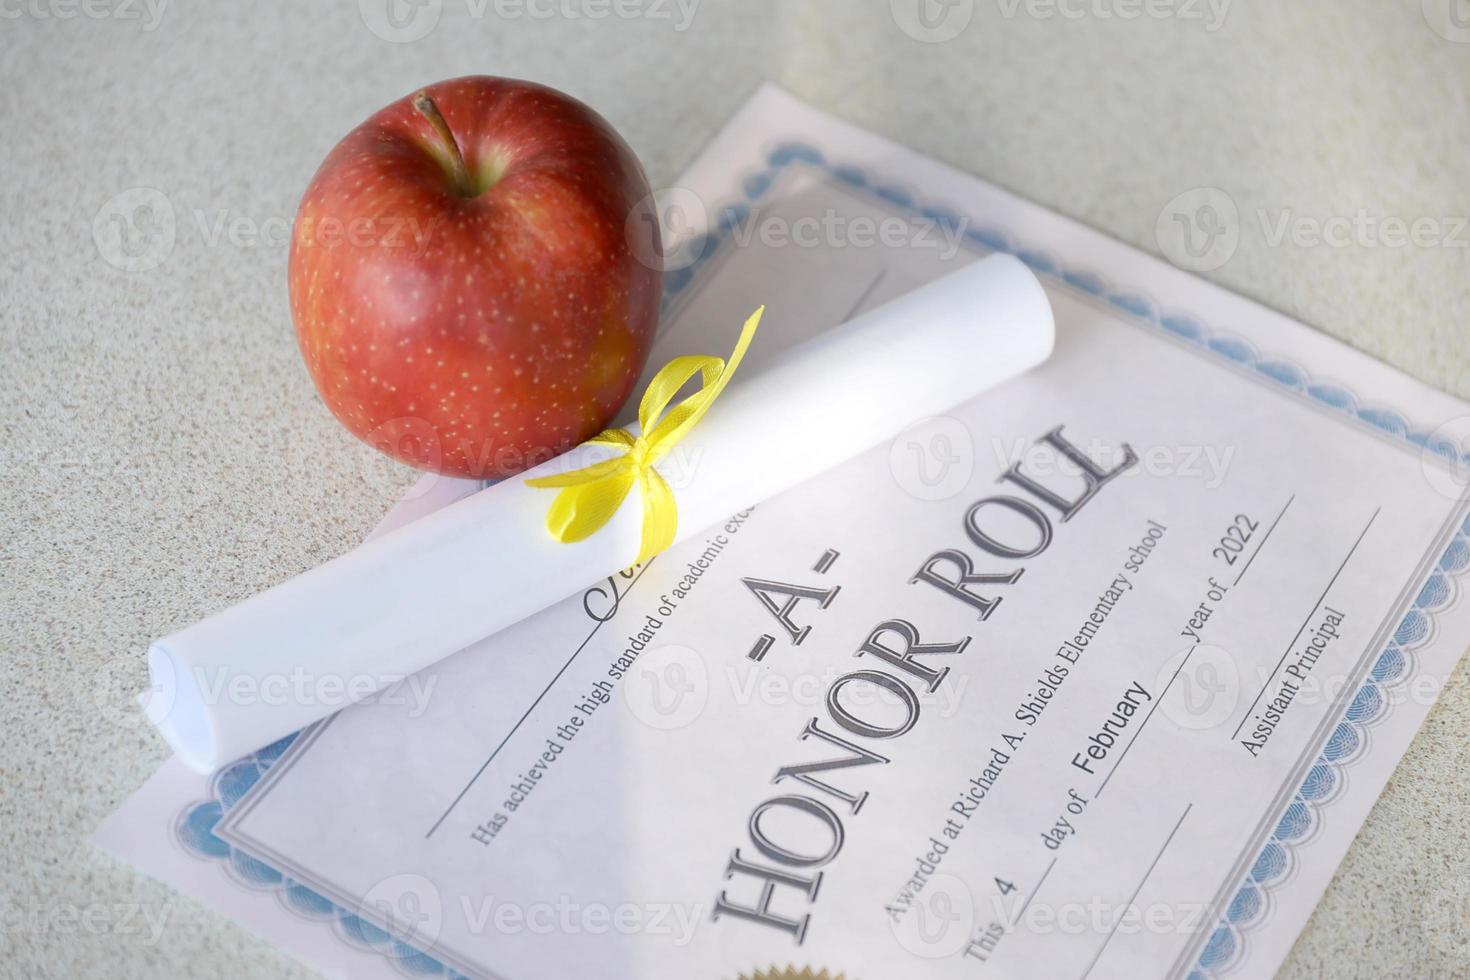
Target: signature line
1118	920
1264	539
1310	613
491	758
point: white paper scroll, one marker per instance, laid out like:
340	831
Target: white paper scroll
407	600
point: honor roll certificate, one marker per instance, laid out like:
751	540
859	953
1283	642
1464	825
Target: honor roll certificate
1093	676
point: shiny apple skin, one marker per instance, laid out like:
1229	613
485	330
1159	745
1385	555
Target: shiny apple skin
476	336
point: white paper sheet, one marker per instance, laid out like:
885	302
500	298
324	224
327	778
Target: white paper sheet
408	599
612	861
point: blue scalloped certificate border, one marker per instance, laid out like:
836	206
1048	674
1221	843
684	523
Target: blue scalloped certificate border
1302	817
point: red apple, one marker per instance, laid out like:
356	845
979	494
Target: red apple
470	276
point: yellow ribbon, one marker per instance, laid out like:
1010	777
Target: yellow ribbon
590	496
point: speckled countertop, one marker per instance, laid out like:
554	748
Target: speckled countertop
164	452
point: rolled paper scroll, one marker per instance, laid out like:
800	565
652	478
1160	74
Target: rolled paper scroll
410	598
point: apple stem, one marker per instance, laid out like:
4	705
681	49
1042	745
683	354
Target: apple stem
458	170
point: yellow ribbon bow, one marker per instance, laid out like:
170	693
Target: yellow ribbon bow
590	496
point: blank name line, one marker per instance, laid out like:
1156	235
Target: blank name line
1264	539
1310	614
1118	919
491	758
1159	698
